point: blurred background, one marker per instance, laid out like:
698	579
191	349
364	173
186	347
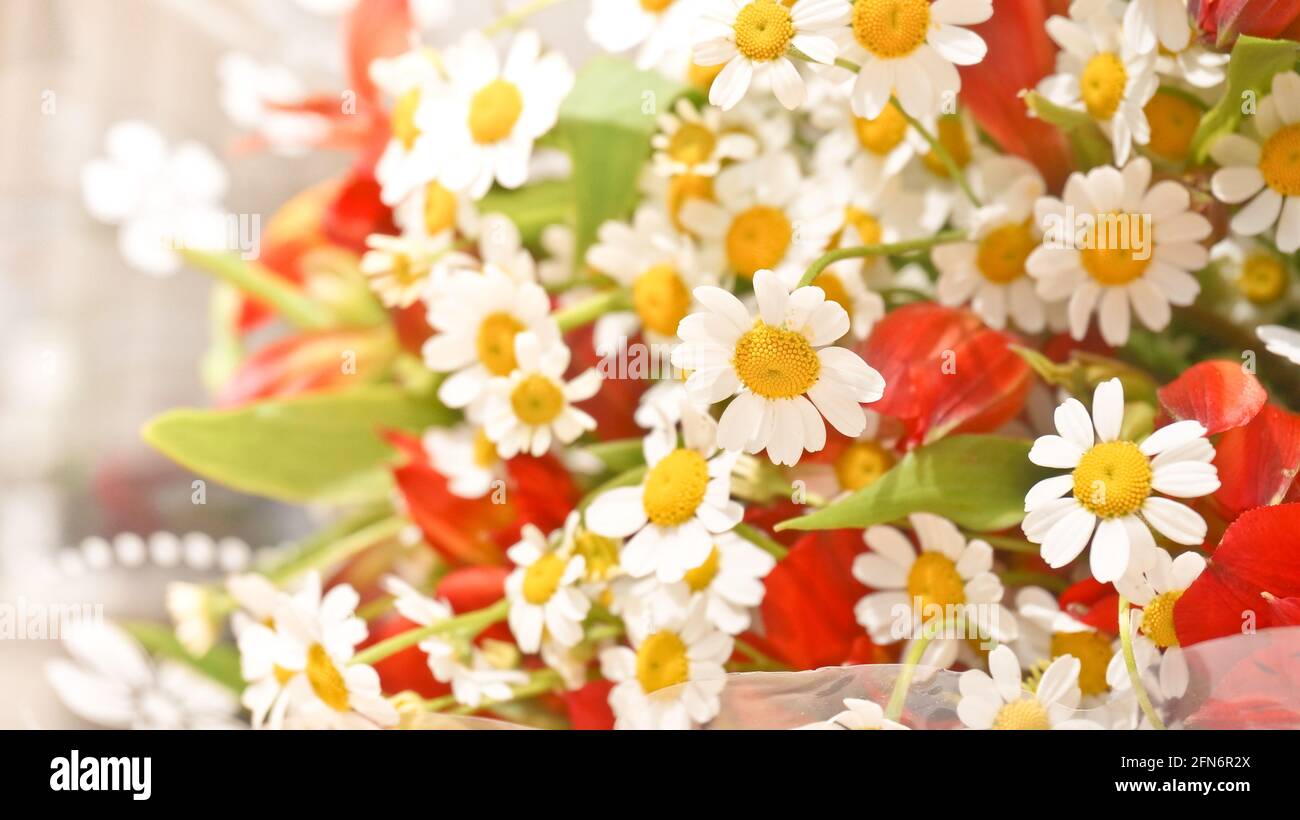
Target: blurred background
91	348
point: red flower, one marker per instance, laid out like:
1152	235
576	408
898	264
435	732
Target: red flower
1093	603
309	363
1220	395
1258	463
1225	19
945	372
1250	577
588	707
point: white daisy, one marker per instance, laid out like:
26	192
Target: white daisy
671	677
1259	275
1151	23
857	714
657	26
411	159
1099	73
881	146
476	317
763	216
467	458
1111	489
113	683
1046	633
778	367
398	267
432	209
989	271
1195	64
911	48
947	578
1117	245
754	38
1263	168
694	141
485	118
999	700
1283	341
500	249
531	408
254	94
672	517
543	593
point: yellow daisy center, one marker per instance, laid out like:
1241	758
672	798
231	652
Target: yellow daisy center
655	6
496	343
674	488
1093	651
439	208
934	579
661	299
681	189
883	133
403	122
1112	259
598	552
1102	85
833	287
951	134
1023	714
661	661
699	578
401	269
494	110
1279	162
692	144
1263	279
1158	619
776	363
862	464
764	30
702	76
1002	253
758	240
485	452
325	679
868	228
537	400
1174	120
1113	479
542	578
890	29
282	675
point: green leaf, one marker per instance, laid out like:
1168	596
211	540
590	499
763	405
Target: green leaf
977	481
321	447
221	663
1254	62
619	456
606	125
532	208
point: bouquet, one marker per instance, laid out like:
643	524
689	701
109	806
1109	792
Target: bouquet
814	363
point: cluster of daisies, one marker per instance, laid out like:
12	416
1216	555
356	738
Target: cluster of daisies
820	170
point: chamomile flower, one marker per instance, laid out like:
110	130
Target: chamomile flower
778	367
1262	168
398	267
476	317
947	578
671	676
253	94
857	714
1099	73
1151	23
432	210
533	407
1195	64
485	118
467	457
1118	245
879	148
729	582
1157	591
411	159
1046	633
1165	677
656	26
1109	499
1260	275
911	48
988	272
998	699
753	38
764	216
658	265
694	141
672	516
543	593
1282	341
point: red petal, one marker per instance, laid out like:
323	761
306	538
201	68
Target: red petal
1226	19
375	29
612	406
1258	463
1220	395
1258	558
1093	603
471	588
308	363
808	607
589	706
408	669
357	212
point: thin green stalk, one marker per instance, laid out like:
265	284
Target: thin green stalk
1130	662
256	281
590	309
512	19
954	170
762	540
469	624
891	249
762	661
340	550
899	696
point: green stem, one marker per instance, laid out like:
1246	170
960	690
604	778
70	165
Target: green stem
954	170
821	264
904	682
469	624
256	281
340	550
590	309
762	540
512	19
761	661
1126	641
